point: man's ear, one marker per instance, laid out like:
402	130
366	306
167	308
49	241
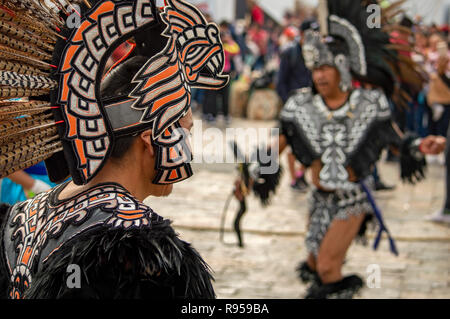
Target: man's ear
146	137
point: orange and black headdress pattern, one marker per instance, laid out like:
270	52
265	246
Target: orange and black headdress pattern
88	135
192	57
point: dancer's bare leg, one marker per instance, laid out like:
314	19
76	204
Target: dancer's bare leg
291	161
311	261
334	247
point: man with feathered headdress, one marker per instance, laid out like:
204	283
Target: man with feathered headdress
119	132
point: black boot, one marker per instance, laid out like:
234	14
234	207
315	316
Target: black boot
306	274
344	289
300	184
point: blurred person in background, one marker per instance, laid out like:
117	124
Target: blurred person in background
433	28
420	118
24	184
260	38
440	92
288	38
436	63
212	97
293	75
288	18
273	43
238	32
257	14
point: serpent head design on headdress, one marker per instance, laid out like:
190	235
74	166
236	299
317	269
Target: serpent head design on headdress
193	57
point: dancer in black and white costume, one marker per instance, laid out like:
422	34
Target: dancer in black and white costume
339	133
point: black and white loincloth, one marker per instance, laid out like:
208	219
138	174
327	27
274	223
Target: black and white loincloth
325	207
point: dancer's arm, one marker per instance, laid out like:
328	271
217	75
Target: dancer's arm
412	150
29	183
432	145
23	179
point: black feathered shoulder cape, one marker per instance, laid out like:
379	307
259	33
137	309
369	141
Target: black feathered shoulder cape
120	247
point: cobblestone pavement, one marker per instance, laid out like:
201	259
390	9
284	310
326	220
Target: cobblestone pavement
274	236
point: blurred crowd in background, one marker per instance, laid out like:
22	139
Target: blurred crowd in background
264	58
265	61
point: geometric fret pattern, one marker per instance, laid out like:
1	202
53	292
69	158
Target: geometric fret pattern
174	155
37	227
335	135
87	132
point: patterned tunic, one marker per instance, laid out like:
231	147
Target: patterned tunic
123	248
351	136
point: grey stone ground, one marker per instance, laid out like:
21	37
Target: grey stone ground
274	236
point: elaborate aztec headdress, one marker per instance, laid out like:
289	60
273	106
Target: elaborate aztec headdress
66	116
358	51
